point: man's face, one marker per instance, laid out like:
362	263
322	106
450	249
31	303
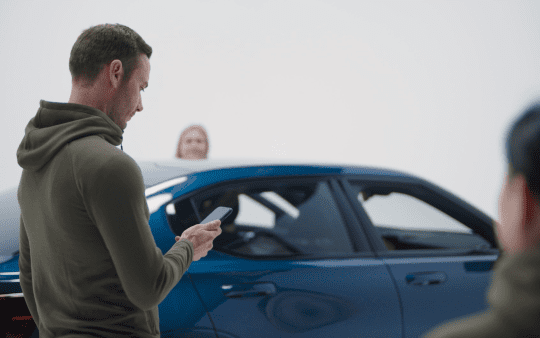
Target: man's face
518	228
127	101
193	145
509	208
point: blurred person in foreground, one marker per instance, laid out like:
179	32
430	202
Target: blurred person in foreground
193	144
514	294
89	265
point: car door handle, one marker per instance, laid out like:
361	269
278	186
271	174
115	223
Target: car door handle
426	278
248	290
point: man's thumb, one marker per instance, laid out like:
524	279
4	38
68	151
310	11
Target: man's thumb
214	224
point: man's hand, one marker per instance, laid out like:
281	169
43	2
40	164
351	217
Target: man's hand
202	236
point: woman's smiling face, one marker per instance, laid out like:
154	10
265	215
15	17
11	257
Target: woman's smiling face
194	146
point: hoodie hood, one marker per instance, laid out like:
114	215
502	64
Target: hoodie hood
57	124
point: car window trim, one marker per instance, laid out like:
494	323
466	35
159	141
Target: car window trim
491	253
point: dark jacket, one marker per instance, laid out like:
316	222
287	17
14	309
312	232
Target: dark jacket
88	262
514	303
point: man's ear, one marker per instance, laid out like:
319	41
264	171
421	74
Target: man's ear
530	210
116	72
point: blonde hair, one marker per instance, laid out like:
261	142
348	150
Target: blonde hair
184	133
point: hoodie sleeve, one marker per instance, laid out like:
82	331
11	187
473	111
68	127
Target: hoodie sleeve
25	271
115	199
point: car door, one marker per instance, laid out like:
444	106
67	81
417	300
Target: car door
439	249
290	262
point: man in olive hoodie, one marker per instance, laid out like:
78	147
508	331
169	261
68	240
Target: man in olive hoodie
89	265
514	295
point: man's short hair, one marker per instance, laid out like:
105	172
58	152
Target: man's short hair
523	148
99	45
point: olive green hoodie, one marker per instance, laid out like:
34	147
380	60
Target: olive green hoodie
89	265
514	303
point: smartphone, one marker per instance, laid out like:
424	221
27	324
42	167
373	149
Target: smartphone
219	213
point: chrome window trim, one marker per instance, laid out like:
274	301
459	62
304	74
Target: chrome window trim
155	202
164	185
12	295
9	277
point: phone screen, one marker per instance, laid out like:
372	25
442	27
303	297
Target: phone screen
220	213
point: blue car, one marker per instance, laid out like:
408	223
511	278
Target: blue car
309	251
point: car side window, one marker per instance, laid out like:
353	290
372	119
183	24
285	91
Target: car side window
254	214
406	222
275	219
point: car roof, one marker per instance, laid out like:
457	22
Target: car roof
158	171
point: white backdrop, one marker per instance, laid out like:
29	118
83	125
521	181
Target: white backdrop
426	87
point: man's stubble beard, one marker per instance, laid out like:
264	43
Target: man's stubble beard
114	116
113	111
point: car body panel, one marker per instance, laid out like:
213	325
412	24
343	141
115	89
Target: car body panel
428	280
432	290
182	308
9	220
372	292
307	298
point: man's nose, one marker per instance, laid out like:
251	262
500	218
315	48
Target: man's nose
140	106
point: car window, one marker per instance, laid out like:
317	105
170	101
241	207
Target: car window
253	213
405	212
268	220
405	221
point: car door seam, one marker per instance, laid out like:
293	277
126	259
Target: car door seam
401	309
203	304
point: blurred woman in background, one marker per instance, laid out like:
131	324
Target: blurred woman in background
193	144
